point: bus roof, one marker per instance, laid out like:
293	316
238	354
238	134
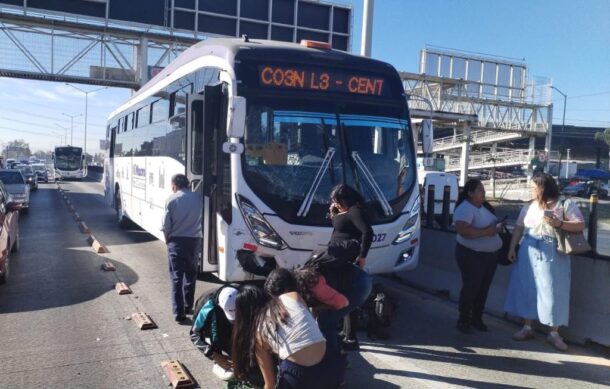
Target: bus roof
229	48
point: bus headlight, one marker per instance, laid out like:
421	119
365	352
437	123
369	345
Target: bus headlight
261	230
410	226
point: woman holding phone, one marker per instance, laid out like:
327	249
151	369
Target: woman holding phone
476	253
539	287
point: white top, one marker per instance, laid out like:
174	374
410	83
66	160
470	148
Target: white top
532	217
478	218
300	331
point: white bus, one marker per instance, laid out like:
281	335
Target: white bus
69	163
264	130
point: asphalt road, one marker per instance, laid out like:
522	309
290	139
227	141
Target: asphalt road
62	325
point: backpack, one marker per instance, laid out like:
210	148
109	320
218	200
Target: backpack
375	315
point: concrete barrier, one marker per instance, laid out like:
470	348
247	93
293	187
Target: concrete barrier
589	303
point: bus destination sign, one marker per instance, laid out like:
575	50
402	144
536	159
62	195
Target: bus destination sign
321	80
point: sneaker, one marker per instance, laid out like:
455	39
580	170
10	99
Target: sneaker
464	327
523	334
180	318
557	342
479	325
222	373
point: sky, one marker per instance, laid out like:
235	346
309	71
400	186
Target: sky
564	40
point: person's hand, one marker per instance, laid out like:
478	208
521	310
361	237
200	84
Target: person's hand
553	221
222	361
512	256
333	209
361	261
491	230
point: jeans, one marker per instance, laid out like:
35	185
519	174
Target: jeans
181	253
478	269
357	291
327	374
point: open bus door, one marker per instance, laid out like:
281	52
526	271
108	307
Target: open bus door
201	152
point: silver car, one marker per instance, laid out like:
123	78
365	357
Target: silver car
17	187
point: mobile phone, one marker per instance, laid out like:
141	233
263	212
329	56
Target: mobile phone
548	213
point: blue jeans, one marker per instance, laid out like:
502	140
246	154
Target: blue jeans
357	291
327	374
182	256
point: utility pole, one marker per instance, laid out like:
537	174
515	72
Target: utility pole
367	28
86	105
72	125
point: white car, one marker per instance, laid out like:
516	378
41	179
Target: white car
17	187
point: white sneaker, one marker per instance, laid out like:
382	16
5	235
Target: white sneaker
222	373
523	334
557	342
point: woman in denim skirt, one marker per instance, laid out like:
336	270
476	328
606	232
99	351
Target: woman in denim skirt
539	287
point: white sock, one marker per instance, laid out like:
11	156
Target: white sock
527	327
555	334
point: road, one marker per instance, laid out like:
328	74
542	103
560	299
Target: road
62	325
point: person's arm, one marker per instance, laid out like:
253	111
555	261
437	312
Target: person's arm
167	222
328	296
514	240
366	234
265	363
574	221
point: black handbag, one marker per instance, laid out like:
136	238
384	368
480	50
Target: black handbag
506	237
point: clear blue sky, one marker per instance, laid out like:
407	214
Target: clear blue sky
567	41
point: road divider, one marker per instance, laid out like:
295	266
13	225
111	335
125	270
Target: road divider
108	266
96	245
143	321
83	227
122	288
177	374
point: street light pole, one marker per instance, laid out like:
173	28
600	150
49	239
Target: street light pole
71	125
86	107
563	123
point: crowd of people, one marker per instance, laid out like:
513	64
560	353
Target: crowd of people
286	335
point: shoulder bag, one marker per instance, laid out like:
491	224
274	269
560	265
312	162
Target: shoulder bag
571	243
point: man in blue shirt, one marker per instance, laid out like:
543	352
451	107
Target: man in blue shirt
182	230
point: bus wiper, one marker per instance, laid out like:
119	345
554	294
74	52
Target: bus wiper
316	182
387	209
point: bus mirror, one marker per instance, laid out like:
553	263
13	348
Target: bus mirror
232	148
237	117
427	137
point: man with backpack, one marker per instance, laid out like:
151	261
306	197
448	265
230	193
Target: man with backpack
212	328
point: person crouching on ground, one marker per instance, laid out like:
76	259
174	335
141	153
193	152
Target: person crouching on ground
282	325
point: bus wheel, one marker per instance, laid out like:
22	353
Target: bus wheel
122	220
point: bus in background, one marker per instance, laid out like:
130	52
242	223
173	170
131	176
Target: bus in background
69	163
264	130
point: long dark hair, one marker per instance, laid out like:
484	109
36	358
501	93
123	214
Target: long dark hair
250	306
307	277
470	186
547	189
278	282
346	196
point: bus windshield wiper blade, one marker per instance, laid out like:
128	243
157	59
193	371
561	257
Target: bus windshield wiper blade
316	182
387	209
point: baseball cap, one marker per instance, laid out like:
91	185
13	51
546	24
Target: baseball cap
226	301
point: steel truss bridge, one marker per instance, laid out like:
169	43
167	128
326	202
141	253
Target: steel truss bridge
68	49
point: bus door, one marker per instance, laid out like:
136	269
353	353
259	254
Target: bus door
200	151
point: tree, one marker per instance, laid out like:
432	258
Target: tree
18	148
604	137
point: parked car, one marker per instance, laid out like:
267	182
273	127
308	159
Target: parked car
41	171
578	189
9	230
30	176
17	188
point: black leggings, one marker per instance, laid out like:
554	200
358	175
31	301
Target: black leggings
478	269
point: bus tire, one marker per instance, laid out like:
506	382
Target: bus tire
122	220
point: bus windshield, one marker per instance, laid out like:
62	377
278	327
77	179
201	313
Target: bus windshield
68	158
287	141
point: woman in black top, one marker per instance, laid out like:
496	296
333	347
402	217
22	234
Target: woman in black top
352	237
